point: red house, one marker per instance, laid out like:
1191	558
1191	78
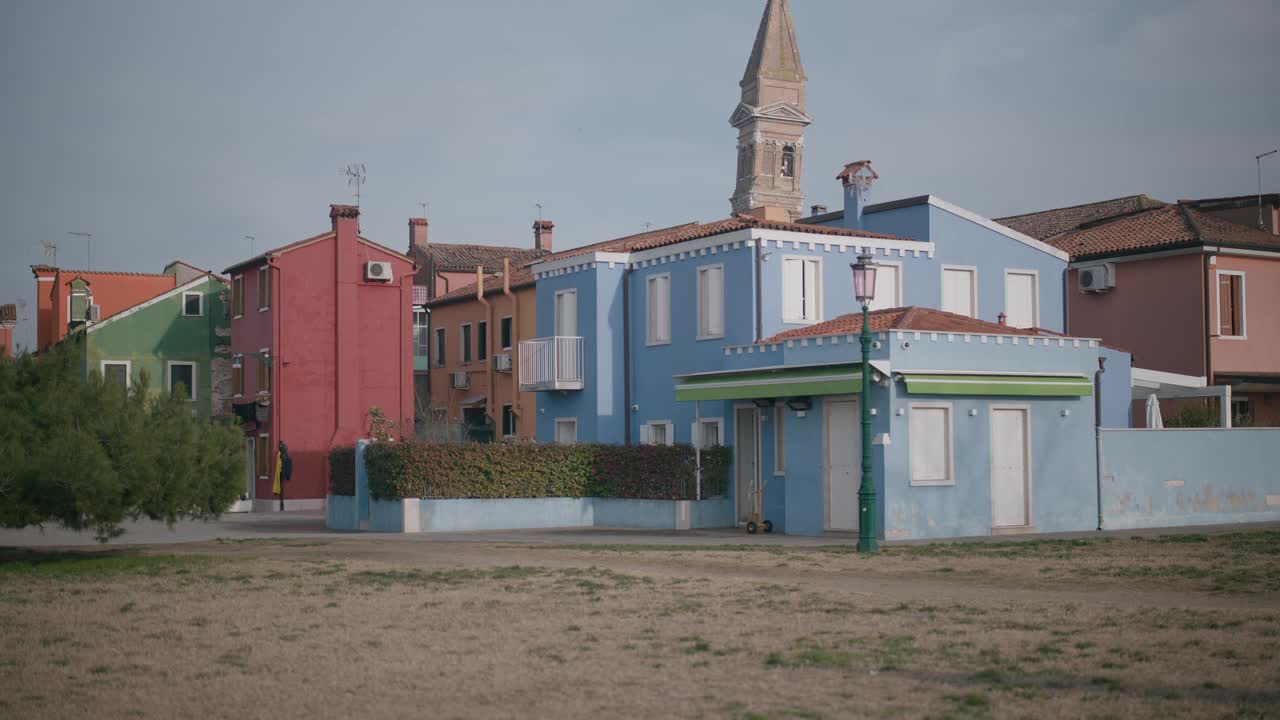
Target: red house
322	332
64	298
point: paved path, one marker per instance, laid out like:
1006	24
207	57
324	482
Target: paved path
245	526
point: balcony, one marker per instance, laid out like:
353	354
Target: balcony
551	363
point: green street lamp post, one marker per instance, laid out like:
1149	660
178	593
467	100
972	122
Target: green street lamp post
864	290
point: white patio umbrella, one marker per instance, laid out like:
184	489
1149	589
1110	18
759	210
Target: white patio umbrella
1154	421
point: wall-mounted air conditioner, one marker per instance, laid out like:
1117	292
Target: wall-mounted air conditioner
1096	278
502	362
377	271
460	380
95	313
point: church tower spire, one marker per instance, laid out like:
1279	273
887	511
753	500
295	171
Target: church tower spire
771	120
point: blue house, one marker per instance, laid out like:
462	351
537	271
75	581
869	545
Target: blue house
736	332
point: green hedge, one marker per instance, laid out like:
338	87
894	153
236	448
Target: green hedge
342	470
500	470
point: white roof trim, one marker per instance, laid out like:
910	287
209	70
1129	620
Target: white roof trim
152	301
1142	377
996	227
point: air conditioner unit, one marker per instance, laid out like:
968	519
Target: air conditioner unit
502	363
460	380
1096	278
95	313
377	271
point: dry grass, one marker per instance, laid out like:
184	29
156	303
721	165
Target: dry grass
460	630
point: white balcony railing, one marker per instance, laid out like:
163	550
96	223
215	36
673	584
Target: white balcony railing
551	363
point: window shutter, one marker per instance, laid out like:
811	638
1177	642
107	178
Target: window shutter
929	444
811	290
792	289
715	301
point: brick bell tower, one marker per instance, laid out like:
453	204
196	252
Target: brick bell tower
771	120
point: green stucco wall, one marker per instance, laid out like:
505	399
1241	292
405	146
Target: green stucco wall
151	337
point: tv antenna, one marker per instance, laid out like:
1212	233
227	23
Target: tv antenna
22	309
51	251
355	176
647	226
250	238
424	206
88	247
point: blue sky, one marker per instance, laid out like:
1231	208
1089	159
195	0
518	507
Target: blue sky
171	130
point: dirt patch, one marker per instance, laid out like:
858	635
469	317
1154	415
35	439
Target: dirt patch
453	630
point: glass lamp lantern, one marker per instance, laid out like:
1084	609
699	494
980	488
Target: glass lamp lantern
864	279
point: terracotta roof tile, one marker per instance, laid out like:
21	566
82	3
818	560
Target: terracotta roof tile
450	257
1167	226
9	315
520	278
1049	223
903	318
36	269
696	230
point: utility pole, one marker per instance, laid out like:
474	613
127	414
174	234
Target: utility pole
88	249
1258	159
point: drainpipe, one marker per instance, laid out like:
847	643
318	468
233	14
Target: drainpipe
515	341
1208	332
1097	430
488	323
277	384
759	300
626	353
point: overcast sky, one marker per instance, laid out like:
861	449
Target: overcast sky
170	130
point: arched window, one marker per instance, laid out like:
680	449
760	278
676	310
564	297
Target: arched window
789	161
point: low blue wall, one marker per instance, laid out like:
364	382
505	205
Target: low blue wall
386	516
513	514
1163	478
464	515
343	512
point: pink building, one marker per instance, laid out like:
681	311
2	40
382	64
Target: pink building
445	267
322	332
1184	291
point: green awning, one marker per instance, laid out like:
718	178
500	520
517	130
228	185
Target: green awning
771	383
980	384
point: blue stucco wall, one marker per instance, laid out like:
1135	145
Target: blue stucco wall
1117	389
1166	478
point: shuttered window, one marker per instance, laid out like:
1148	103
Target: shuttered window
958	291
711	302
1231	304
237	379
237	296
1020	299
801	290
658	309
264	288
930	444
567	313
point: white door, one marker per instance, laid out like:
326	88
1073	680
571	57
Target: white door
1020	299
566	313
746	428
888	285
957	291
1009	498
844	464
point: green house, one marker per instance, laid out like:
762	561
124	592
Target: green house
180	339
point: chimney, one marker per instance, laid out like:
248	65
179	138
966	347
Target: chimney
857	178
542	234
417	233
1002	319
817	209
344	216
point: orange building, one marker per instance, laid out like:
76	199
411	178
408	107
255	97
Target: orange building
474	362
8	321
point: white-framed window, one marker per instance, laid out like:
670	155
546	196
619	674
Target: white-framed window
801	290
192	304
504	331
180	373
264	288
1231	305
708	432
779	440
658	309
440	347
1022	298
657	432
464	344
960	290
421	340
116	372
930	444
710	302
888	286
508	421
566	431
566	308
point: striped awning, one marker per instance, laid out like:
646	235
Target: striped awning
935	383
774	382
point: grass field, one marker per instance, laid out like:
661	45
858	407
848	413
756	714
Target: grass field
1170	627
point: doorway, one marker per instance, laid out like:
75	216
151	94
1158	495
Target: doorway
249	491
1010	470
746	459
843	444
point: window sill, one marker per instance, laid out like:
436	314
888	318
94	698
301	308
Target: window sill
189	315
701	338
263	309
799	321
656	343
933	483
237	317
1233	337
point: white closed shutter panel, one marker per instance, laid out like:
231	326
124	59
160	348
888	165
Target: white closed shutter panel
887	287
659	309
711	302
567	314
930	445
792	290
957	292
1020	299
811	291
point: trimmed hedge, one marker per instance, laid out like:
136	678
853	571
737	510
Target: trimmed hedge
499	471
342	470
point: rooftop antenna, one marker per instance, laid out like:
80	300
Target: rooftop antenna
539	205
51	251
1258	158
22	310
424	205
88	247
250	238
355	176
647	226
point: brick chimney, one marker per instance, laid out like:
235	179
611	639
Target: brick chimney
417	233
818	210
542	234
856	178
